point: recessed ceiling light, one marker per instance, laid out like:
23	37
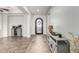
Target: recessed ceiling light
38	10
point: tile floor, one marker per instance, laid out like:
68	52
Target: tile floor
35	44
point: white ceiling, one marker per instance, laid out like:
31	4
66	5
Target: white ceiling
12	9
38	9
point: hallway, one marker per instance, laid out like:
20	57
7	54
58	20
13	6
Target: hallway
35	44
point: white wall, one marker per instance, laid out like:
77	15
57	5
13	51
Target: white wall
27	21
15	20
65	19
8	20
34	17
5	25
24	20
48	22
0	25
28	25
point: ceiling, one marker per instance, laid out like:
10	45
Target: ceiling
38	9
11	9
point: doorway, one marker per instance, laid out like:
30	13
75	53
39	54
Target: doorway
39	26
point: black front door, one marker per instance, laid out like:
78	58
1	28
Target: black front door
39	26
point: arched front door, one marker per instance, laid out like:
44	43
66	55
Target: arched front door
39	26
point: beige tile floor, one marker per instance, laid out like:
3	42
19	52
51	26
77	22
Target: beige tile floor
38	44
35	44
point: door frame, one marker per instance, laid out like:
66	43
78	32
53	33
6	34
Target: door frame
36	26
